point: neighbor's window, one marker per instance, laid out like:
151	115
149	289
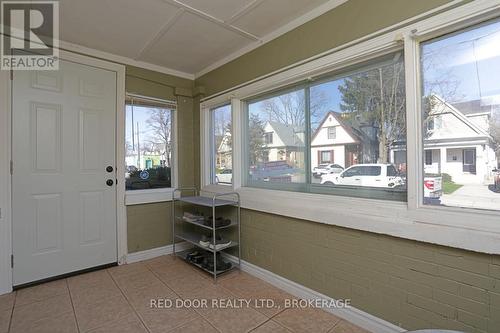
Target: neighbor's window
345	135
222	144
148	144
276	134
461	121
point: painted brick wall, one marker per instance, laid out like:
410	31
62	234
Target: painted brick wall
411	284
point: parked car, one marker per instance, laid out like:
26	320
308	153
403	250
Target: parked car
324	169
224	177
496	177
274	171
373	175
433	189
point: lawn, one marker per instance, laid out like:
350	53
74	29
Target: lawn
450	187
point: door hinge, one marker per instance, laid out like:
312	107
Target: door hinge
11	167
11	261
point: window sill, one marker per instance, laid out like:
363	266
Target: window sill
460	228
139	197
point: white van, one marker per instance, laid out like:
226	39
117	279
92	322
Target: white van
373	175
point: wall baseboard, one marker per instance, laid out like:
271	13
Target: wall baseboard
351	314
156	252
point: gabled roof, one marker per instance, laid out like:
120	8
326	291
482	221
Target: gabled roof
460	116
287	134
349	129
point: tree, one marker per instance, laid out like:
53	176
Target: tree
377	97
255	138
160	122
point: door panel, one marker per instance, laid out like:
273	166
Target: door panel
64	214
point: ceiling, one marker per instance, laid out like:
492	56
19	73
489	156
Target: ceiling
187	37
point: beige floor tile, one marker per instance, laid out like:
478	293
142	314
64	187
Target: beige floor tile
5	320
346	327
139	280
7	301
141	299
195	326
235	320
173	271
211	293
97	314
64	323
101	290
129	324
41	292
307	320
271	327
160	262
163	320
187	283
127	269
89	280
49	308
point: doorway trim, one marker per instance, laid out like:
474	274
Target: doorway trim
6	156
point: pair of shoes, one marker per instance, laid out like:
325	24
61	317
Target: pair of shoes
219	243
221	265
219	222
193	218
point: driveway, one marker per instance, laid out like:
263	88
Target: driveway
474	196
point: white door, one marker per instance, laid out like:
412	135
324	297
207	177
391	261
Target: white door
64	212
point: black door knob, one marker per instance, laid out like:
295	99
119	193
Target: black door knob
109	168
109	182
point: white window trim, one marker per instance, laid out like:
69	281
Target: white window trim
477	230
139	197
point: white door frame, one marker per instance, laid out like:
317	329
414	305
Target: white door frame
6	157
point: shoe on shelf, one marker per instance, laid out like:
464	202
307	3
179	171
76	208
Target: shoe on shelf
205	241
219	243
219	222
208	263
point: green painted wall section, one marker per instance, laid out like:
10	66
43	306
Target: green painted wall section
350	21
149	226
411	284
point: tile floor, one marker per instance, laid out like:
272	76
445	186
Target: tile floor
118	300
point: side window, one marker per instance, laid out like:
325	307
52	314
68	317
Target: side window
391	171
222	145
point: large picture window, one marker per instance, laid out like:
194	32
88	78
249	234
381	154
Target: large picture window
222	143
333	135
461	118
148	144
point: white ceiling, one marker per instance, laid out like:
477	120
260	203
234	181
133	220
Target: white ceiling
187	37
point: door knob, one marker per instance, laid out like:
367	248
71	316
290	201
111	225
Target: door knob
109	182
109	168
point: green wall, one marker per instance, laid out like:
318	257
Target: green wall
412	284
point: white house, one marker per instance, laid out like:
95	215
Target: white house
336	141
224	152
458	142
284	143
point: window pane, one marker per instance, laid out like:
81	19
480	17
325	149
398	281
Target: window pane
361	119
276	139
148	147
222	145
461	121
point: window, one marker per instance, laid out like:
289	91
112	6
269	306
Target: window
428	157
276	139
148	144
222	145
461	90
326	156
332	133
363	110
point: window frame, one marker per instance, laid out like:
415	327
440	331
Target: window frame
465	228
332	135
138	197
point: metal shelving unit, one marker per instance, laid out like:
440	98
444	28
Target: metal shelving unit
212	201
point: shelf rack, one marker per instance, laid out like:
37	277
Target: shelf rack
212	201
